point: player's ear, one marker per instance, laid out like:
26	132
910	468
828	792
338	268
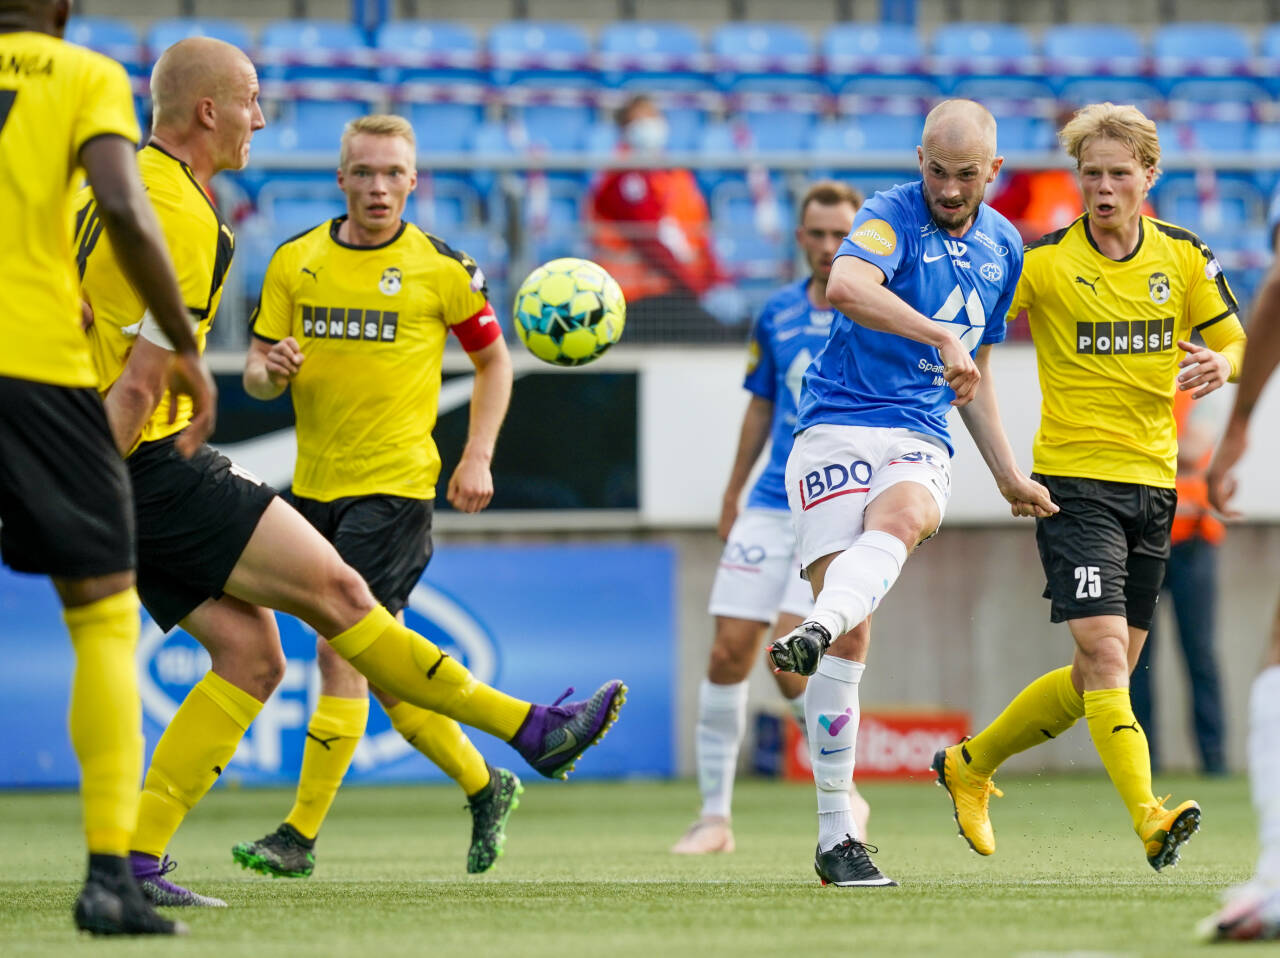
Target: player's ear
413	180
996	163
206	112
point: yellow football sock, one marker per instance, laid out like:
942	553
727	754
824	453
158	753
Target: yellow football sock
1043	710
411	668
106	718
332	736
191	754
1122	745
443	741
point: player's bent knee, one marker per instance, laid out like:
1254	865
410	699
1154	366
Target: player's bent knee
731	662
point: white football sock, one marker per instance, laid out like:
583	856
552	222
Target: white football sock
797	709
722	721
831	711
1264	768
856	580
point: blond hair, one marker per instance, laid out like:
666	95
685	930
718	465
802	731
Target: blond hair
375	124
1125	124
830	193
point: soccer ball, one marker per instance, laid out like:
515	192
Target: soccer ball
569	311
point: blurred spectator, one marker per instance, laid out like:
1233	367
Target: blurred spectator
651	230
1039	201
1191	579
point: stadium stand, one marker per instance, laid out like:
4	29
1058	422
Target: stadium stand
513	117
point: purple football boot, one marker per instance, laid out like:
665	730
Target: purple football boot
553	736
149	872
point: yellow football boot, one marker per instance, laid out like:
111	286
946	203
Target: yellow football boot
969	798
1164	831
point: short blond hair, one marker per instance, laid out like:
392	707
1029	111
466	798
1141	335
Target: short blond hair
1126	124
376	124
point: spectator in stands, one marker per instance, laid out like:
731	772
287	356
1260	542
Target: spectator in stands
651	230
1191	579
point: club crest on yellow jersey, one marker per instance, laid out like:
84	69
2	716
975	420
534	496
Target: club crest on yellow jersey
390	282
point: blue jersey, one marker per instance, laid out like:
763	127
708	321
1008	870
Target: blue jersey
864	377
786	337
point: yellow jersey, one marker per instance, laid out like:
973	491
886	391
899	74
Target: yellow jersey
372	323
201	246
54	98
1106	334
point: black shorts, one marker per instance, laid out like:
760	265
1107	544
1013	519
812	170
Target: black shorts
64	491
1104	553
195	517
387	539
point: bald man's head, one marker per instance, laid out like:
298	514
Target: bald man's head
958	159
191	70
204	94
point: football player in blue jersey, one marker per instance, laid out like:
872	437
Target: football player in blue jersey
759	574
922	284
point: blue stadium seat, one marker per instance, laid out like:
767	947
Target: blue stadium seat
558	129
1003	88
1194	42
319	123
444	127
1085	50
732	206
1214	90
278	139
838	137
165	33
895	134
315	50
428	50
1269	45
1141	93
1236	203
1027	134
779	131
640	51
973	46
863	41
1207	136
444	203
528	49
761	51
116	38
601	139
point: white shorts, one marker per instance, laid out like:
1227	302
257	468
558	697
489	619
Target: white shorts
759	574
834	471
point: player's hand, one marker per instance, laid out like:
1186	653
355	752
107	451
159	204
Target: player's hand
189	376
471	485
1026	497
960	371
86	315
1203	369
728	516
284	359
1221	475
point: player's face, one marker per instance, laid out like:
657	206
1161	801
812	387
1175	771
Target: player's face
378	178
820	234
1114	183
239	117
955	179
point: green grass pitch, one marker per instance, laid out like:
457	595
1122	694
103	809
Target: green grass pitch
587	872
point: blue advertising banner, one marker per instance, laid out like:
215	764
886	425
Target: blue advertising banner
530	619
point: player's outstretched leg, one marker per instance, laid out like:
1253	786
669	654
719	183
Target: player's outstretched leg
289	566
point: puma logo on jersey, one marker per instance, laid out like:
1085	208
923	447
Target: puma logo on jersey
312	273
1093	286
1125	338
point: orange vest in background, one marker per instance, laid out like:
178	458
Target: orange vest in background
625	214
1193	517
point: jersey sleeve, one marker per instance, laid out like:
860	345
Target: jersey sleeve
879	235
998	322
761	379
272	318
1024	295
106	106
1209	298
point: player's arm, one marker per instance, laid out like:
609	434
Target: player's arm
981	417
1211	366
1260	360
269	367
136	394
135	234
471	485
857	289
756	423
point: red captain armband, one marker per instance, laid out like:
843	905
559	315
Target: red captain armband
479	331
